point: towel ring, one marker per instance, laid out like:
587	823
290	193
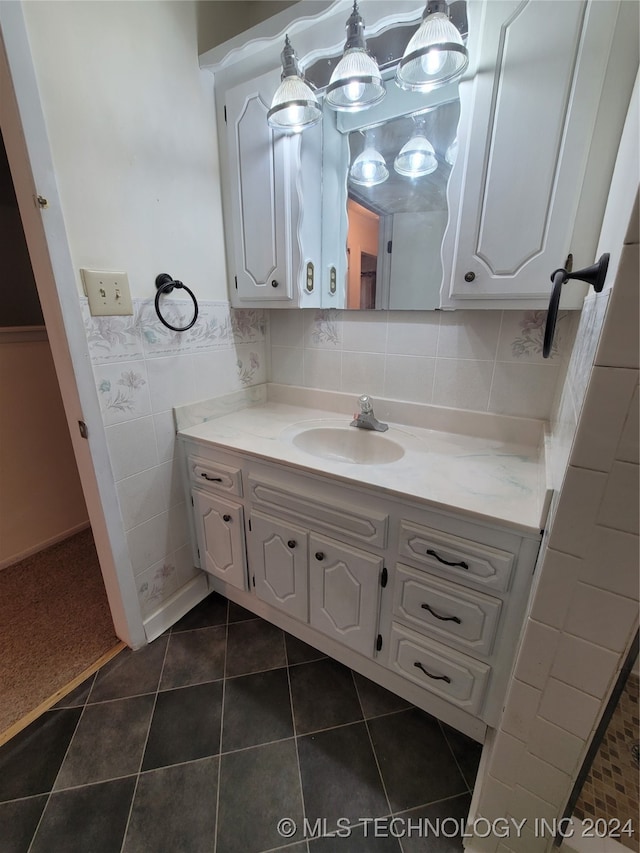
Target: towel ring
593	275
165	284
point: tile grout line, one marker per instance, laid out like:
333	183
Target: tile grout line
35	831
295	739
224	684
446	739
144	748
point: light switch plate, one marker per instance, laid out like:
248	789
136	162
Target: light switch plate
108	292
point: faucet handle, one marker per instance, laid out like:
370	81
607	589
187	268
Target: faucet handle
365	404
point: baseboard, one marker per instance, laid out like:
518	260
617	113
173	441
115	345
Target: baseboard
175	607
35	549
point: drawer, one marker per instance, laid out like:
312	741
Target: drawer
325	511
446	610
449	674
457	557
215	475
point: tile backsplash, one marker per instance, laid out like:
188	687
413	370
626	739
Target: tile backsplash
479	360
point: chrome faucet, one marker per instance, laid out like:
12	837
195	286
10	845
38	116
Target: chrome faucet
365	419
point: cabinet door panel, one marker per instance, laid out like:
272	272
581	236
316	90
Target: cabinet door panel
261	173
343	593
278	561
220	532
531	110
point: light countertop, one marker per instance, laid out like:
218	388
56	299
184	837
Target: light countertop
487	478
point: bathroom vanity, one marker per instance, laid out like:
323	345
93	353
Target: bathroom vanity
407	555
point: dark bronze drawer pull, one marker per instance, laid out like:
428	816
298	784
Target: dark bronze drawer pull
442	618
462	564
211	479
291	543
435	677
226	517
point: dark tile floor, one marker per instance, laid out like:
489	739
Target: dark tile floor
221	728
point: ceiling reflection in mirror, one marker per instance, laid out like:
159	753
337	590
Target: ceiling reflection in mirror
397	208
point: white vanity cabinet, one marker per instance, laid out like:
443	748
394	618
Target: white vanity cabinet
524	193
271	204
426	602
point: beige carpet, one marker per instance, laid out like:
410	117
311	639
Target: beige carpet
54	624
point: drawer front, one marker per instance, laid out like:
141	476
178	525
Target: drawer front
458	557
215	475
446	610
449	674
333	516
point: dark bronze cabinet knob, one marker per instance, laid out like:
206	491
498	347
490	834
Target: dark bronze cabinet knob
226	518
319	555
291	543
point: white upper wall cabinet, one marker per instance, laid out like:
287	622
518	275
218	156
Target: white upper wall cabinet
537	115
529	110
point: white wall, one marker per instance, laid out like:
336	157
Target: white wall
41	498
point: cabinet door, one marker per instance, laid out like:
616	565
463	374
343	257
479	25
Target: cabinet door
527	120
278	560
344	585
220	533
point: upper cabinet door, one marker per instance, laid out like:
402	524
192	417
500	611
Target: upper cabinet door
268	218
528	115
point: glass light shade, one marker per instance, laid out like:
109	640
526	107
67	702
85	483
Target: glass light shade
434	56
294	106
355	83
369	168
417	158
452	152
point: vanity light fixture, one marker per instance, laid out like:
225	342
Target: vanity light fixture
295	105
369	168
452	152
417	157
435	54
356	83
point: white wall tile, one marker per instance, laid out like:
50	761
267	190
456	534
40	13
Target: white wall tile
185	570
506	757
144	495
287	365
251	364
322	329
522	337
555	746
322	369
620	505
409	378
494	796
462	383
123	391
413	333
601	617
363	373
469	334
525	804
171	381
571	709
525	390
165	429
543	779
156	584
521	707
611	562
536	654
619	343
178	526
628	447
364	332
149	542
605	410
584	665
580	499
554	590
132	447
286	328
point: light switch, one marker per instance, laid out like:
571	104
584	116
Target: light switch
108	292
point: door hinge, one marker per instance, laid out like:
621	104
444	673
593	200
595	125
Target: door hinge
389	247
379	643
41	201
384	577
84	432
225	113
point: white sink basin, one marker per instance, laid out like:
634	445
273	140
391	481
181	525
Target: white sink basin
348	444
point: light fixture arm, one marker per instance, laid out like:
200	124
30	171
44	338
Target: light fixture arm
355	30
289	61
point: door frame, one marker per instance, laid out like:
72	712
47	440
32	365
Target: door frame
31	164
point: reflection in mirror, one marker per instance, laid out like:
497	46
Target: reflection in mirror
397	224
